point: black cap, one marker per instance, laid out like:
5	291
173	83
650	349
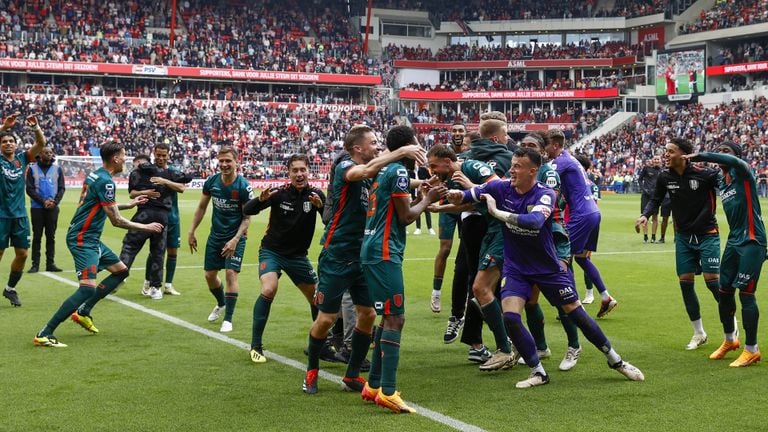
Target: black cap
733	146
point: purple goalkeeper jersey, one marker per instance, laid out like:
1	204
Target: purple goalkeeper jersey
526	250
575	186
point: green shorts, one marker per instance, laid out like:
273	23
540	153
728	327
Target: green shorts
14	232
740	268
492	251
214	260
173	236
336	277
91	258
385	280
562	246
297	268
697	254
447	225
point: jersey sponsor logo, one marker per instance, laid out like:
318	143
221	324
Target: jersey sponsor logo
109	191
287	207
12	174
727	194
402	182
565	291
546	200
693	183
307	206
370	232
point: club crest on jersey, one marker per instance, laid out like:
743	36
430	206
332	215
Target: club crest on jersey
307	206
694	184
17	163
398	298
235	195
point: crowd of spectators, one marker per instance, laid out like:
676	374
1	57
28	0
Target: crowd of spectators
507	80
462	52
635	8
727	14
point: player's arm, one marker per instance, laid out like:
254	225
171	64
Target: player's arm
721	159
450	208
202	206
9	122
407	213
174	186
119	221
317	197
229	247
534	219
369	170
40	141
264	200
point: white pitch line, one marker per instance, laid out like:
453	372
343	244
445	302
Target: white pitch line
422	411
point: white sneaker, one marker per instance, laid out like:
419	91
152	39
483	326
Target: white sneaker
170	290
499	360
535	379
434	304
629	371
155	293
216	313
432	232
226	327
546	353
145	289
696	341
570	359
417	232
589	298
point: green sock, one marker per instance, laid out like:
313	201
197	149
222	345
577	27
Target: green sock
390	357
170	268
571	331
70	305
313	352
230	301
714	287
749	317
534	317
218	293
437	283
690	300
260	317
13	279
106	287
361	342
494	319
374	375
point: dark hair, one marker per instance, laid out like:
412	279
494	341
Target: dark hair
142	157
109	150
10	134
297	157
533	155
399	136
538	137
442	151
355	134
733	146
683	144
555	136
473	136
584	161
162	146
228	149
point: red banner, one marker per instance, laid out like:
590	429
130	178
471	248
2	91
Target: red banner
508	95
187	72
651	36
511	127
737	68
515	64
122	183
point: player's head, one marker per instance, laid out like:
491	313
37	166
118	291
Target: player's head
401	136
458	131
113	156
525	168
361	143
161	152
441	160
730	148
585	162
555	142
140	159
493	127
468	138
227	157
298	170
674	151
536	141
8	144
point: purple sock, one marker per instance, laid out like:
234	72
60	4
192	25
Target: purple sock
591	330
522	338
594	274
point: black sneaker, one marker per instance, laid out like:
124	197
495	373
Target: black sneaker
454	328
33	269
52	268
342	354
328	353
13	297
479	355
661	241
365	366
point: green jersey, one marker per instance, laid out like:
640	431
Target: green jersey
551	179
228	200
13	185
343	235
478	173
88	222
384	238
173	216
738	192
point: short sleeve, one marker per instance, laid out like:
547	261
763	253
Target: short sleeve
207	185
246	192
105	191
402	183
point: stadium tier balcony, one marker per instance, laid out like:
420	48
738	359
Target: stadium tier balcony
585	49
727	14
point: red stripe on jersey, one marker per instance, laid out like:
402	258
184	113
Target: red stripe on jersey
87	224
712	203
400	194
337	216
750	214
387	229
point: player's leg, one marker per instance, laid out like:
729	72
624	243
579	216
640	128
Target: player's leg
172	243
458	296
584	235
534	318
156	260
687	265
133	242
118	273
232	269
37	218
212	264
485	284
473	229
19	239
514	295
362	334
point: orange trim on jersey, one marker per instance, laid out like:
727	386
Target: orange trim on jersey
107	203
750	214
337	215
400	194
491	177
87	224
387	229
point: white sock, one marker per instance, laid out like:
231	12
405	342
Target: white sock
613	357
8	288
436	293
698	327
751	348
168	285
605	295
588	292
539	368
730	337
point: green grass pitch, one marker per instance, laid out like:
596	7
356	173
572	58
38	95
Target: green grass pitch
143	373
